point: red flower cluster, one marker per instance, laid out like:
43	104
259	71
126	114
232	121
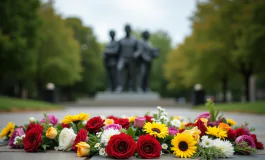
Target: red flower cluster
240	132
121	146
231	134
94	124
33	137
65	125
148	147
199	124
148	118
112	117
124	122
258	144
81	137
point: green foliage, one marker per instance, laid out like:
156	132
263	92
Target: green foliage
208	153
213	111
244	148
59	59
19	39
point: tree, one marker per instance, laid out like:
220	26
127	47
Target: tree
93	74
19	39
59	59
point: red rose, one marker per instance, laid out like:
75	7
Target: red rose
65	125
30	126
240	132
81	137
148	118
112	117
231	134
94	124
124	122
201	127
258	144
182	130
148	147
121	146
33	138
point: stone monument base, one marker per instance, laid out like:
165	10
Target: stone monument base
127	96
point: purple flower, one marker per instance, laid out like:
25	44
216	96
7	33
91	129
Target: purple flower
246	138
204	115
216	123
139	122
53	120
172	130
247	131
113	126
17	132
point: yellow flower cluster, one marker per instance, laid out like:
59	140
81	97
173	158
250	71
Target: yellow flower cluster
217	132
75	118
8	130
195	132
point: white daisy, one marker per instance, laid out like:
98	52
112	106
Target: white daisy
17	138
102	152
225	146
175	123
164	146
206	143
97	145
107	134
98	134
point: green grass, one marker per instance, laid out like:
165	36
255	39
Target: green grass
255	107
14	104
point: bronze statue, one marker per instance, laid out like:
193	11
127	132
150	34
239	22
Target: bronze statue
110	61
145	54
126	64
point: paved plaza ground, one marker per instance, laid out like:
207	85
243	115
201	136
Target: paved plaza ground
256	121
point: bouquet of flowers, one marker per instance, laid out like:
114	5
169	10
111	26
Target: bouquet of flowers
209	136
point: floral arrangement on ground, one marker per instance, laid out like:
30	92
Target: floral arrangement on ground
209	136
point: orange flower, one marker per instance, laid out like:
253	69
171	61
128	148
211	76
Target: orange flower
224	126
108	121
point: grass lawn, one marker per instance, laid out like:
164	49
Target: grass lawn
14	104
255	107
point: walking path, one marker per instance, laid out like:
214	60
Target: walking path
256	121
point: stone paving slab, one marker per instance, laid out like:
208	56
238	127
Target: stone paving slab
10	154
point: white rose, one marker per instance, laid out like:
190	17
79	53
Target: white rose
66	139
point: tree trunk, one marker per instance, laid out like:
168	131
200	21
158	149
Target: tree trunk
246	83
225	87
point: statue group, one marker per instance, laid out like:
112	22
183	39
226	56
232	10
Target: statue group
128	62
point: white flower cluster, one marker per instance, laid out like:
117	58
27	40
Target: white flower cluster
175	123
223	145
160	116
105	137
19	140
102	152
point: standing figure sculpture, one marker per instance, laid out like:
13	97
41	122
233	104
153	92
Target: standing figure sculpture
126	63
110	61
145	54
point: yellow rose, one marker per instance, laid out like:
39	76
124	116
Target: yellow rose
224	126
51	133
131	119
83	149
195	132
108	121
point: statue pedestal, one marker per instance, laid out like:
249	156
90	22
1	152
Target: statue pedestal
127	96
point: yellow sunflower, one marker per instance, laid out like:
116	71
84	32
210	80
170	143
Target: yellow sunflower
217	132
75	118
231	122
156	129
8	130
184	146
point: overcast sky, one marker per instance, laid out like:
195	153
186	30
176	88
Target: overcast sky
171	16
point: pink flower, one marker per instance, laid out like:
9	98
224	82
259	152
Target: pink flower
172	130
246	138
17	132
113	126
52	119
139	122
204	115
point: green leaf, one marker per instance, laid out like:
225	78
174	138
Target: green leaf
73	127
131	132
44	146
